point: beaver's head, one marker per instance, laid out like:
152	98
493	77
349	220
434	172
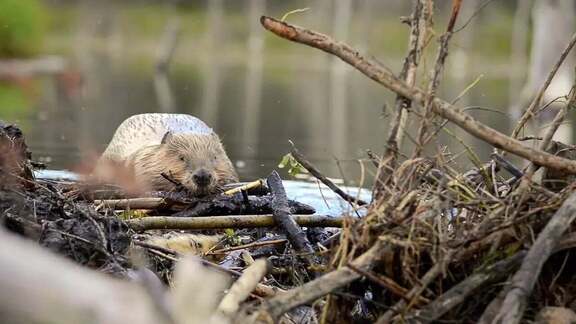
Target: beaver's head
196	161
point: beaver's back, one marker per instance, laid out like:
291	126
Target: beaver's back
148	129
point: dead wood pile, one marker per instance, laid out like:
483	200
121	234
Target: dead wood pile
437	243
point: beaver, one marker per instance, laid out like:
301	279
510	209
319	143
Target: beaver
178	145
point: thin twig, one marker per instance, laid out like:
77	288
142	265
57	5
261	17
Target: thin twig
529	113
418	30
133	203
545	143
179	186
249	246
436	75
250	185
318	175
418	288
387	283
373	158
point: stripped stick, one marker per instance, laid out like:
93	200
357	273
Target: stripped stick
242	288
233	221
132	203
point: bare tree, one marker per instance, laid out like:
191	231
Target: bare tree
553	24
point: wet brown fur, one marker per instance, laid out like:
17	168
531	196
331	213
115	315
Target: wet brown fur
180	156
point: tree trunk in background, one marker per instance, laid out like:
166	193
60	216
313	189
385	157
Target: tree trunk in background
519	50
462	60
553	24
253	83
462	55
311	93
166	48
212	68
339	82
97	24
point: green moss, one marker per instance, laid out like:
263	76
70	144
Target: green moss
21	27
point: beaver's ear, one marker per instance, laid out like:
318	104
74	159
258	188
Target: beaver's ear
166	138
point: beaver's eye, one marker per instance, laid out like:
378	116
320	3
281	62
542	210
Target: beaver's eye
182	158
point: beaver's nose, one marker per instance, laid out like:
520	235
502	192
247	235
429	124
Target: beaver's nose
202	177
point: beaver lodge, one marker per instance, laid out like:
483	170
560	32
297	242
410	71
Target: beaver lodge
437	243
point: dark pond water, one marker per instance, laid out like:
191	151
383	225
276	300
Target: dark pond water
256	91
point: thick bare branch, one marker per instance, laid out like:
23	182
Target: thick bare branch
242	288
460	292
324	285
525	278
384	76
284	220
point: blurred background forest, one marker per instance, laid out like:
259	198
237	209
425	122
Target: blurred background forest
71	71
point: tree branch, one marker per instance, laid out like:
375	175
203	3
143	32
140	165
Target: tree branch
525	278
538	98
384	76
318	175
